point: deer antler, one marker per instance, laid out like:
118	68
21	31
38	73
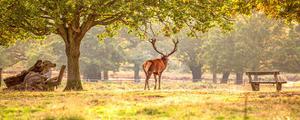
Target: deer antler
175	46
152	41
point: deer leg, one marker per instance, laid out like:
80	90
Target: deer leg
155	81
159	78
149	76
146	79
145	83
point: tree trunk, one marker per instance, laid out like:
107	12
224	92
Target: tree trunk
73	54
105	74
225	77
196	73
72	33
215	77
136	72
239	78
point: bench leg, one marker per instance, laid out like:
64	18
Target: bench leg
278	86
255	86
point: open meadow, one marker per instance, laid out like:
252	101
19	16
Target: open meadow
203	59
177	100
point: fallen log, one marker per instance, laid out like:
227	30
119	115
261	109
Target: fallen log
19	78
35	78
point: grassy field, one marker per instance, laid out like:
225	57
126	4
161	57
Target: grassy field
176	101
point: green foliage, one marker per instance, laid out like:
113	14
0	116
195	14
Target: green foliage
134	49
13	54
190	51
44	50
44	17
286	54
99	56
287	9
27	53
256	43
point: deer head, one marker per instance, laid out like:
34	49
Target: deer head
164	57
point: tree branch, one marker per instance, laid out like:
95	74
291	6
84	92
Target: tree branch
35	30
85	26
109	20
62	32
191	29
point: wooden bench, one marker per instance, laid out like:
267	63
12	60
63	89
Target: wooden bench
255	83
55	82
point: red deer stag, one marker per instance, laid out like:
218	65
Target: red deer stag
157	66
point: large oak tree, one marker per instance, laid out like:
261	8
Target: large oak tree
71	19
